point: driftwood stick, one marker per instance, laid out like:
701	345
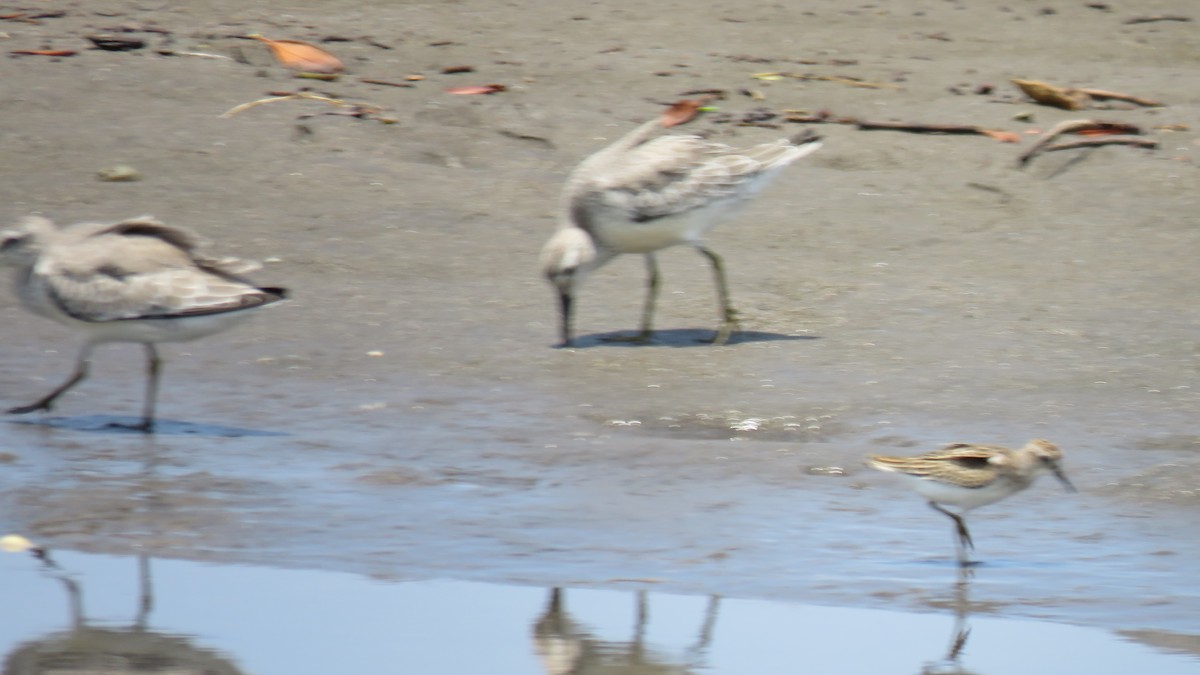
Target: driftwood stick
1155	17
1104	140
840	79
1103	95
918	127
1074	127
914	127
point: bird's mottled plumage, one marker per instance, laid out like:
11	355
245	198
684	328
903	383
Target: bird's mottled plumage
642	194
138	280
968	476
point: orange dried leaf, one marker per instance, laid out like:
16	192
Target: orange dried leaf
302	56
1002	136
681	112
475	89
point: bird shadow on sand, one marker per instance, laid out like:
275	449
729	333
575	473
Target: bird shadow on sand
682	337
113	424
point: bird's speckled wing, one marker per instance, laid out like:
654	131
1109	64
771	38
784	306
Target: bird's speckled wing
669	175
971	465
115	275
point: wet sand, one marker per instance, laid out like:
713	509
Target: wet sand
406	415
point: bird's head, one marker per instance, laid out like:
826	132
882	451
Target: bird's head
1049	456
565	259
22	244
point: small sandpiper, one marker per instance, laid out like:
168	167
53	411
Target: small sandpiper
969	476
642	195
138	280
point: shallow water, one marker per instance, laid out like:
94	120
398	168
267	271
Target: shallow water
260	620
740	516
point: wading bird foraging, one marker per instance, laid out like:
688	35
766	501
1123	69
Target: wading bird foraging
969	476
138	280
643	194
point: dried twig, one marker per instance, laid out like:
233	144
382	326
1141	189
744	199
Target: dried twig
1085	126
202	55
914	127
918	127
1155	17
286	97
370	80
1104	140
1103	95
851	81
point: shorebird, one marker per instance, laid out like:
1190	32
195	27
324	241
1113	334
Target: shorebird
138	280
644	194
969	476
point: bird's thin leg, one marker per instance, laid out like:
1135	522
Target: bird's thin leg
153	372
565	306
729	322
652	283
964	536
47	402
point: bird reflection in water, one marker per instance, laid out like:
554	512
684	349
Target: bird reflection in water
85	648
566	646
961	604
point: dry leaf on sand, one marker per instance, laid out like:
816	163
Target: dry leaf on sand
474	89
1049	94
683	111
1000	135
302	56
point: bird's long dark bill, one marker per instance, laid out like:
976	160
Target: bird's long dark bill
1062	478
565	304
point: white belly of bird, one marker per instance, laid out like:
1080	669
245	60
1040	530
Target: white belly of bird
625	236
180	329
965	498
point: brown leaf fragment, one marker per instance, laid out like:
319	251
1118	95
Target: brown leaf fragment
302	56
682	111
1052	95
477	89
455	70
43	52
1001	135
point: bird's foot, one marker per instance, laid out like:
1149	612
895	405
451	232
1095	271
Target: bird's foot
724	332
32	407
